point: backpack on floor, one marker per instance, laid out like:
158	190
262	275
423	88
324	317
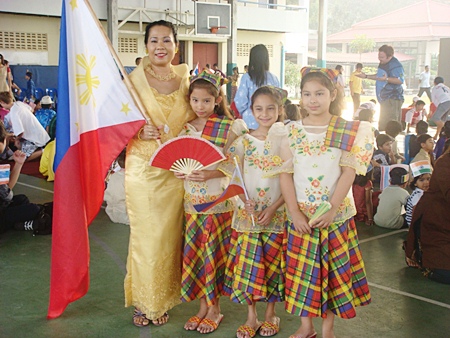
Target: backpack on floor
42	224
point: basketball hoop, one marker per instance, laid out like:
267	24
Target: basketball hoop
215	29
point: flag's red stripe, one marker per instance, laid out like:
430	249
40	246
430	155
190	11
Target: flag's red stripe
78	195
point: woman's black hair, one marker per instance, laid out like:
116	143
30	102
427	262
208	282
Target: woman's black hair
258	64
160	23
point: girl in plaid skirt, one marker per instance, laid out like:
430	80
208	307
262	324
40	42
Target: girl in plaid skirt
325	274
207	234
254	260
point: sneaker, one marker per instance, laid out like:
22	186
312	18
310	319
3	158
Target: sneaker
27	226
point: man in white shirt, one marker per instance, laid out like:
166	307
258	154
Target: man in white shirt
441	99
424	83
31	137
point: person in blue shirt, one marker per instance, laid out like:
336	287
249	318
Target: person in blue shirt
46	113
389	80
258	75
29	94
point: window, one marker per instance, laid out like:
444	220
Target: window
24	41
128	45
243	49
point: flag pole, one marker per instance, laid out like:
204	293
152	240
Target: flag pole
126	80
243	184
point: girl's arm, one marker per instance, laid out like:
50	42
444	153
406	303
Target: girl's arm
369	206
343	186
288	191
204	175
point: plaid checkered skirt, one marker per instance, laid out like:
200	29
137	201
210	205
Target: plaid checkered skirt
206	246
254	267
324	271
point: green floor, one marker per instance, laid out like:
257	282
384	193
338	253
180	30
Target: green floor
405	304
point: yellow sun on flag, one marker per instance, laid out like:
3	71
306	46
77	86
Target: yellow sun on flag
125	108
87	79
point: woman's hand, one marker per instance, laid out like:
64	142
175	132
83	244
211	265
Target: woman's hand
300	222
150	132
181	176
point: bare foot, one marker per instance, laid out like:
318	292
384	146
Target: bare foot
161	320
250	325
304	333
270	327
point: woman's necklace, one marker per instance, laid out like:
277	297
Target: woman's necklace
167	77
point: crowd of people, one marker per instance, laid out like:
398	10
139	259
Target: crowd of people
309	176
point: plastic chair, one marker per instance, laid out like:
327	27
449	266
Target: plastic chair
53	93
22	94
406	155
38	93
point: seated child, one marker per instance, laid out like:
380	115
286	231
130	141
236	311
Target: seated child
45	114
426	149
30	135
421	171
392	201
116	207
14	209
381	156
414	115
414	147
362	194
393	128
367	105
367	115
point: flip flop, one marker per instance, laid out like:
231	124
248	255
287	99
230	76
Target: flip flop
193	320
211	323
248	329
139	315
270	326
312	335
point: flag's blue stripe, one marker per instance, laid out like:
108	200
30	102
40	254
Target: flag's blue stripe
63	120
203	206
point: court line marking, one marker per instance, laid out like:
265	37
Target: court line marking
34	187
382	236
407	294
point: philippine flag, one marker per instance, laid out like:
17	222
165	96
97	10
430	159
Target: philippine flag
196	69
96	118
236	187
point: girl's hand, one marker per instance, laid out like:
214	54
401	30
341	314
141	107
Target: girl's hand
250	207
265	216
181	176
323	221
150	132
199	175
301	223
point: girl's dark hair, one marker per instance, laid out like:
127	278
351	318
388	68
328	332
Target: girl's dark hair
160	23
275	95
362	180
3	132
221	108
258	64
292	112
337	104
412	185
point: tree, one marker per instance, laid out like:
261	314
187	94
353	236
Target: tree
362	44
292	77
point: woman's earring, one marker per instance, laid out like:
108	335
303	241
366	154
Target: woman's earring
146	50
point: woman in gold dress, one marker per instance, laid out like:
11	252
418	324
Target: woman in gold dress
155	196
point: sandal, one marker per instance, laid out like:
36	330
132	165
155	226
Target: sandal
193	320
272	326
312	335
164	317
211	323
248	329
139	319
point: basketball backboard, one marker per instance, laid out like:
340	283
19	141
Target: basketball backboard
212	19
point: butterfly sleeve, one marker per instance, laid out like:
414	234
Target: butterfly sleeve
235	150
276	140
360	155
237	129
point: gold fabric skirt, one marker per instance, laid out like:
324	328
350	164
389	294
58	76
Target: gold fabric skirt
155	208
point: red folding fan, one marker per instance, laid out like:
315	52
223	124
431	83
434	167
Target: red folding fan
185	154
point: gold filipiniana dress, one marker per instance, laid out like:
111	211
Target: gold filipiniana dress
155	203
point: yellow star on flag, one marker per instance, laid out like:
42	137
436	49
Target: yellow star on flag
125	108
74	4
